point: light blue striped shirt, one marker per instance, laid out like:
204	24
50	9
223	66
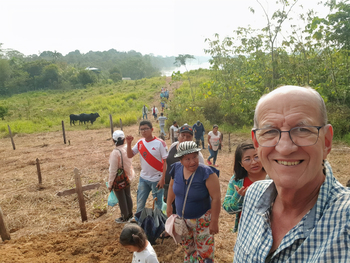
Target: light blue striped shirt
323	234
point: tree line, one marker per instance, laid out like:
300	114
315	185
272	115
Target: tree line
251	63
52	70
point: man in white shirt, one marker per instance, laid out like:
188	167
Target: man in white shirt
161	121
144	112
153	152
174	132
155	112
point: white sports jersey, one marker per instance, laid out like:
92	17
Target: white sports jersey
152	155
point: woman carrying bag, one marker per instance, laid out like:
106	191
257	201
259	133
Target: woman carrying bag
196	190
121	173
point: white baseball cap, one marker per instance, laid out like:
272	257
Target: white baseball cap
118	135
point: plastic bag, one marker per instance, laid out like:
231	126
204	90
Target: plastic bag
112	199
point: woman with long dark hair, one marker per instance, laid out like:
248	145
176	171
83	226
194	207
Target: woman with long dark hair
247	169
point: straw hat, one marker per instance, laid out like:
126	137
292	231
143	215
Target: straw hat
186	148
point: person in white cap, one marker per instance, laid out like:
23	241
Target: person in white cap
119	159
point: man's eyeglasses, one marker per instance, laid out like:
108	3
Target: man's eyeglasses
248	160
300	136
145	129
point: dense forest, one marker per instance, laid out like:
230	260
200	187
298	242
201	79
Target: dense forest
52	70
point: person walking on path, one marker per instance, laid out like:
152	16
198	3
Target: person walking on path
174	132
144	112
161	121
185	135
214	140
153	152
155	112
199	131
201	209
119	159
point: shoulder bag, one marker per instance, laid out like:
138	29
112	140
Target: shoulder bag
180	226
121	180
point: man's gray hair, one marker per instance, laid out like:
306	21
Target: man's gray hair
285	89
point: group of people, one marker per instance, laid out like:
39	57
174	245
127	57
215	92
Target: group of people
288	205
154	111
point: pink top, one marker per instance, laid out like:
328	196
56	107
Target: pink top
115	163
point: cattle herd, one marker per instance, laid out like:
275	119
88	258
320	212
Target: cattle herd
83	118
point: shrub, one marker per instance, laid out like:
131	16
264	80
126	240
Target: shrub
3	112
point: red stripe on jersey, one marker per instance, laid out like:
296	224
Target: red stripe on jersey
149	158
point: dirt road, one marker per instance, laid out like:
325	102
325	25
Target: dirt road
48	228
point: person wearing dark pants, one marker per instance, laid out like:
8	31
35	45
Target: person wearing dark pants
199	131
214	140
117	160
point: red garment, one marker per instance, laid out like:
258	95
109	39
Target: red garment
149	158
246	183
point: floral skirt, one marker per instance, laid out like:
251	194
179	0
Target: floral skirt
199	244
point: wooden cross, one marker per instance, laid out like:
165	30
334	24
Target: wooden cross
79	190
5	235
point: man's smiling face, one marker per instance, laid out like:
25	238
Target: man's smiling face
289	165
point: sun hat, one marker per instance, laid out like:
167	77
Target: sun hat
186	148
186	128
118	135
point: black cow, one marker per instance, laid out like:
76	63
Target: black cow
74	118
88	117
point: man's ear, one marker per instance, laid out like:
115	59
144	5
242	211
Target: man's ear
328	130
255	142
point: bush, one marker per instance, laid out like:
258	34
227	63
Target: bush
339	117
3	112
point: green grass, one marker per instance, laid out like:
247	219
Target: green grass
44	111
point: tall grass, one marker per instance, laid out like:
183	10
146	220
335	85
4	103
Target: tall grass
43	111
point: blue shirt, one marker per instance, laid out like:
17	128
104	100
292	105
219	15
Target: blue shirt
323	234
198	199
198	130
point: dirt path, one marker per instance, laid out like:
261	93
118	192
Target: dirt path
48	228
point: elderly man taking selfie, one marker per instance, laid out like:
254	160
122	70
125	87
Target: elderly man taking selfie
302	214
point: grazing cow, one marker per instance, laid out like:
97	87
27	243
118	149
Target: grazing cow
89	117
74	118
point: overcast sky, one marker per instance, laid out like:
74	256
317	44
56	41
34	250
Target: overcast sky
160	27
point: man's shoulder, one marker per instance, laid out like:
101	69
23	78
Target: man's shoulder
340	197
141	140
256	190
160	141
173	145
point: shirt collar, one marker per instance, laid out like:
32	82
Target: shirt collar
267	198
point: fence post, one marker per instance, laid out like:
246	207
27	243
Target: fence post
121	124
38	170
111	123
229	142
80	195
64	133
5	235
13	143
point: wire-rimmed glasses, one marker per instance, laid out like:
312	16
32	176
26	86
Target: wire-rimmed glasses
300	136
